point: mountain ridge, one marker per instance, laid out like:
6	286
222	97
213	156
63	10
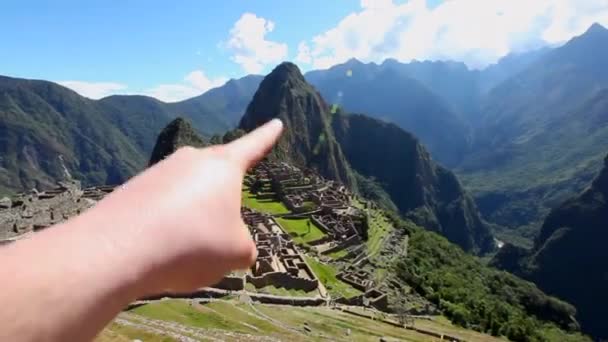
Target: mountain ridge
102	141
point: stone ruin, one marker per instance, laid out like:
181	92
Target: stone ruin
305	192
278	263
35	210
358	279
331	212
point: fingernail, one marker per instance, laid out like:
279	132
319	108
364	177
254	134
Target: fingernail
276	122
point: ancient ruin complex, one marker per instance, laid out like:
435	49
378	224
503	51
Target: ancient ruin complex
280	263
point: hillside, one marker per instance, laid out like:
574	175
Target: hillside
425	192
569	256
47	129
49	133
542	134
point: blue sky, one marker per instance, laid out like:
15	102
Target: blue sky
174	51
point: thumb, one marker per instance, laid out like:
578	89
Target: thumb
252	147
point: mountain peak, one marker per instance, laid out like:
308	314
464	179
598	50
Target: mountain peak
176	134
307	140
593	33
595	28
286	70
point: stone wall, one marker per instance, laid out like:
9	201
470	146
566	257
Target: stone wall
373	298
319	224
293	301
352	240
283	280
231	283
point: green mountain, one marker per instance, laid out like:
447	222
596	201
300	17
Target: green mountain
178	133
480	297
389	93
508	66
47	129
543	134
569	256
349	147
425	192
309	140
227	103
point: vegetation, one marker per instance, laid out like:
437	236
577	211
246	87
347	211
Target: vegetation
302	230
124	333
287	323
327	275
101	142
379	228
338	254
269	205
569	256
481	298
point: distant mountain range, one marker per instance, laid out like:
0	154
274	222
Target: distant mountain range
542	133
524	134
47	129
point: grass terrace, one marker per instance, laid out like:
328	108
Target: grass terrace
237	321
303	231
338	254
269	205
327	275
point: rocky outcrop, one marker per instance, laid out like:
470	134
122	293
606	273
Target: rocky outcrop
177	134
308	139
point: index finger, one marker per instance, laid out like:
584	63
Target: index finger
254	146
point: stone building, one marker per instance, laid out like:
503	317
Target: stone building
35	210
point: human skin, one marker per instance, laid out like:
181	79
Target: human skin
175	226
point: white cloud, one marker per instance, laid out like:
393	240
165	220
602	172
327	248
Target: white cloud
94	90
476	32
195	83
249	46
304	55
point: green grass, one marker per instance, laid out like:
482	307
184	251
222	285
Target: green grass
269	206
338	254
327	275
181	312
123	333
302	230
379	227
284	323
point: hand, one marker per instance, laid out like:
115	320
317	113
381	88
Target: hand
179	221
